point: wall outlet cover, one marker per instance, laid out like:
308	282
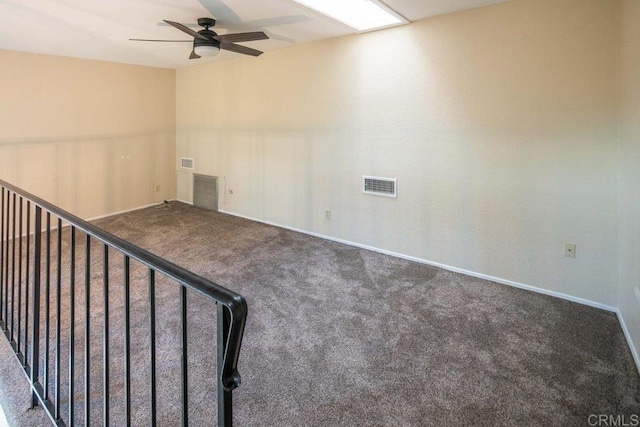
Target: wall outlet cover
637	292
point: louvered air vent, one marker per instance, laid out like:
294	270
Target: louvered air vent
187	163
379	186
205	191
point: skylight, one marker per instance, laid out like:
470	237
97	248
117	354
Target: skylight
361	15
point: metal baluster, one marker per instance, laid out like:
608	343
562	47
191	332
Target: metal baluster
105	367
13	266
19	340
26	282
87	331
127	343
47	295
56	414
72	308
152	343
35	331
2	263
184	356
6	263
225	414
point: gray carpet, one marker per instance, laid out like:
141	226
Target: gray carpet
340	336
15	392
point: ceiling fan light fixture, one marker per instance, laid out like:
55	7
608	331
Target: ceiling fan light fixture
208	43
204	50
361	15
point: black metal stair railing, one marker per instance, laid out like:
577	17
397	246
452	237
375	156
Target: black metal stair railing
25	270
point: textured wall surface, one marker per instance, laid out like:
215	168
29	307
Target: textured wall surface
499	123
629	192
93	137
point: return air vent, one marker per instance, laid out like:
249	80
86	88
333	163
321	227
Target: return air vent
205	191
187	163
379	186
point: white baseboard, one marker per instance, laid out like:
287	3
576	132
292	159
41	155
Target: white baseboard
436	264
54	227
634	352
124	211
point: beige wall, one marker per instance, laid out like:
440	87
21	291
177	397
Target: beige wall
92	137
499	123
629	190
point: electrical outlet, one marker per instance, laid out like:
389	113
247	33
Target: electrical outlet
327	214
157	188
570	250
637	292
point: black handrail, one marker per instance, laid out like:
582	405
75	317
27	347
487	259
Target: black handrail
232	308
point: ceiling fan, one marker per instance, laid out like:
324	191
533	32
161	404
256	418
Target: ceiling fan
209	43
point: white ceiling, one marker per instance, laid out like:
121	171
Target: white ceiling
100	29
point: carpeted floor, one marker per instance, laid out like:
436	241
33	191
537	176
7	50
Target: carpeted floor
340	336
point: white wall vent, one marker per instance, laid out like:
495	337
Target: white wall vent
205	191
187	163
379	186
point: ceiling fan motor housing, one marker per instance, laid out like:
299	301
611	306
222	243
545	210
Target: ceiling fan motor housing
209	35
